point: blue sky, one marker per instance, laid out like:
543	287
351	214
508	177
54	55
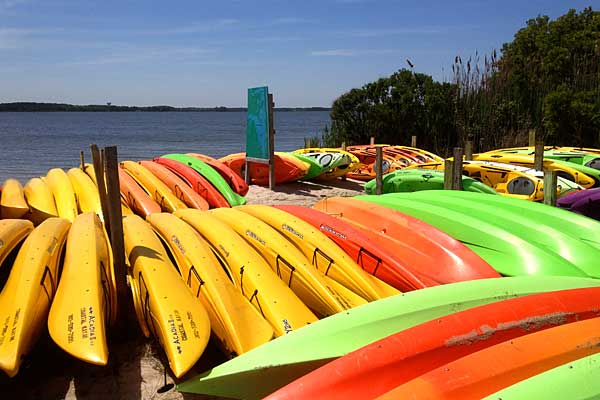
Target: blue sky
201	53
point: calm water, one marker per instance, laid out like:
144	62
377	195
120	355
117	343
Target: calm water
33	143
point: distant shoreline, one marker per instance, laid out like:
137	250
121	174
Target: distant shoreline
58	107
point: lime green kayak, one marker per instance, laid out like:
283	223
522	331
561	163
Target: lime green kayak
576	157
414	179
506	250
212	176
577	380
315	169
545	233
268	367
591	172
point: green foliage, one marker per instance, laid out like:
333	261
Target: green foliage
547	79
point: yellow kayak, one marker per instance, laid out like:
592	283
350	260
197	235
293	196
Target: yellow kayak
12	200
84	301
325	255
64	195
41	201
156	188
12	232
28	293
309	284
251	274
164	304
528	161
238	326
86	192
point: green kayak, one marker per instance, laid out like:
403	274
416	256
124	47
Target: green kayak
591	172
315	169
504	249
212	176
414	179
585	229
546	233
268	367
575	157
576	380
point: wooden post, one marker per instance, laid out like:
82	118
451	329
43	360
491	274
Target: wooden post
457	169
372	140
413	141
378	170
98	162
532	140
469	150
550	182
271	144
113	193
538	159
81	161
344	146
448	174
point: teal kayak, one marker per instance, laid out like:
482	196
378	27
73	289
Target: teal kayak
414	179
212	176
576	380
550	234
268	367
505	250
315	169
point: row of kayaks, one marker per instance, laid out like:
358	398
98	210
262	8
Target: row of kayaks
165	184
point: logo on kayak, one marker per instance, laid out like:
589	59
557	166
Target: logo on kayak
253	235
332	231
292	230
286	326
177	243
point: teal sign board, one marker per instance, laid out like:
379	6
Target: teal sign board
257	129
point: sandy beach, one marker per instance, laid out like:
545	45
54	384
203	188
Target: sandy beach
137	365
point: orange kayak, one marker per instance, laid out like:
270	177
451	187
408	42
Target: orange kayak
287	168
392	361
136	198
489	370
178	186
235	181
203	187
431	252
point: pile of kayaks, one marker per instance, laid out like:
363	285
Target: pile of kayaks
424	294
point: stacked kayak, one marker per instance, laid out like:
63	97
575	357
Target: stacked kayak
585	202
413	180
542	240
287	168
335	162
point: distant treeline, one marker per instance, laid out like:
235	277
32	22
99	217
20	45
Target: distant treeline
58	107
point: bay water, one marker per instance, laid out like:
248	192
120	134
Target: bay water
31	143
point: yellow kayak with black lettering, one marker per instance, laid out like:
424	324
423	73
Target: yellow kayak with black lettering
164	305
12	200
326	256
12	232
84	302
156	188
41	201
28	293
238	326
312	286
86	192
64	195
251	274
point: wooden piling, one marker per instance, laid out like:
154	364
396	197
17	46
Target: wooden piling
532	140
469	150
550	183
98	162
271	144
448	174
379	170
457	169
372	140
413	141
538	159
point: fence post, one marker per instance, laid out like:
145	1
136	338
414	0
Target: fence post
532	137
538	159
550	182
448	174
372	140
379	170
413	141
457	169
469	148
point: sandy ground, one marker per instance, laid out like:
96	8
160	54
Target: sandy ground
136	366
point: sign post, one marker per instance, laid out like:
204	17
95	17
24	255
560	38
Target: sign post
260	134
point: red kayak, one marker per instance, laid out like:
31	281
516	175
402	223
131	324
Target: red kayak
486	371
431	252
180	188
287	168
135	197
397	359
236	182
203	187
371	255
